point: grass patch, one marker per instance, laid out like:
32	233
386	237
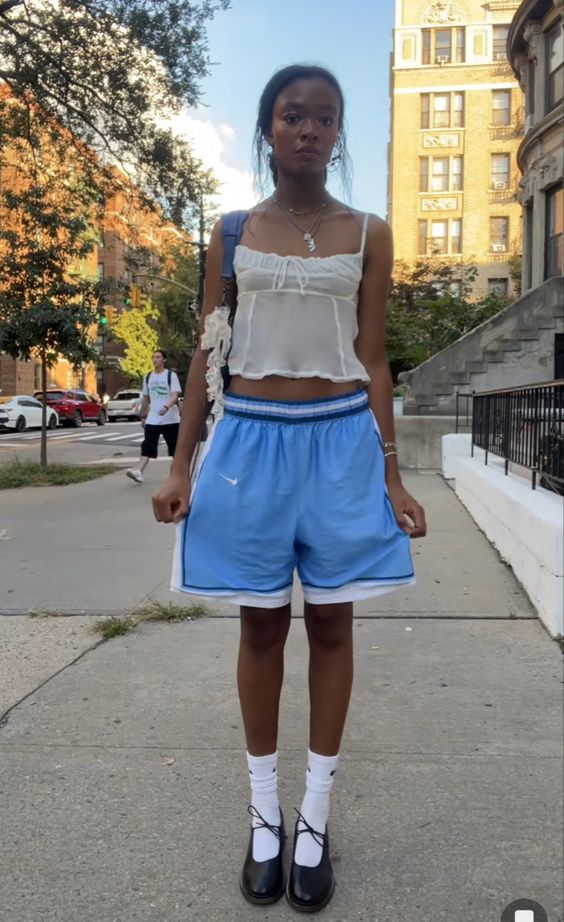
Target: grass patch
45	613
153	611
113	627
156	611
30	474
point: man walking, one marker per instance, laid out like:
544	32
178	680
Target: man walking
159	413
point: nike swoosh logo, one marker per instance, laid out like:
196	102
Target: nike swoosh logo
232	480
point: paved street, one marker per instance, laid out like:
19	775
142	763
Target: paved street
117	442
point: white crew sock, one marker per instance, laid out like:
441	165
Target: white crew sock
315	807
264	797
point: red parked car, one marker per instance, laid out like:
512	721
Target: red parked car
75	406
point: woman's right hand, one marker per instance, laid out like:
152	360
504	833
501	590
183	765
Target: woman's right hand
171	502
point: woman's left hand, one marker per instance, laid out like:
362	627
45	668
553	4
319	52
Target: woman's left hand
410	516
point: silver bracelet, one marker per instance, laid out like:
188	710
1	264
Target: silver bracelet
390	454
389	445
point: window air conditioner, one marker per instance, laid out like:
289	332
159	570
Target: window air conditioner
441	59
498	248
500	184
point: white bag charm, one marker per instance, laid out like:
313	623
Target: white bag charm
217	338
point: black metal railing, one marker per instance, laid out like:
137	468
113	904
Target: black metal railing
466	416
524	425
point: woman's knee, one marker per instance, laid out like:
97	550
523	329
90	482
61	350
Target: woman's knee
329	626
264	629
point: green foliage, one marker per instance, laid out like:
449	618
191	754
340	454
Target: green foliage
136	328
15	474
176	324
113	73
430	307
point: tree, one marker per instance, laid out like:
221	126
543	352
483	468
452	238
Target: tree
45	310
176	322
430	307
112	73
136	328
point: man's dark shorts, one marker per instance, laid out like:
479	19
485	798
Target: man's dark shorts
150	444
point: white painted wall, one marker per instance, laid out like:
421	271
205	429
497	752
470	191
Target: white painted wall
524	525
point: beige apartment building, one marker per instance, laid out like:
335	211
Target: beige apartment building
457	121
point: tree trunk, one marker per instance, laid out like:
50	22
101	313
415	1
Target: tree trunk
43	459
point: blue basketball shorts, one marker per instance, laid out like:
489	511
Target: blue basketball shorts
292	485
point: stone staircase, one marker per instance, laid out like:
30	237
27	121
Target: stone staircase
514	347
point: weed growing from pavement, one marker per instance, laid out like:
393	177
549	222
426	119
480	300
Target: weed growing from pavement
45	613
156	611
29	474
113	627
153	611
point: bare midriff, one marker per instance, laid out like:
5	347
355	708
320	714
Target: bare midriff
277	387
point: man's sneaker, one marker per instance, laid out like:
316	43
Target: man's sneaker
135	475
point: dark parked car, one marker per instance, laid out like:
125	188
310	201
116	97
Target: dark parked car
75	406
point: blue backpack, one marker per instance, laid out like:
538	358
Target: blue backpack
233	224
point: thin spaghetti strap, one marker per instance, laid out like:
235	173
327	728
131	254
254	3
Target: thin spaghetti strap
364	229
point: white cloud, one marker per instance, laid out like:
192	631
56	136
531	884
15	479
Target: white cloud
211	143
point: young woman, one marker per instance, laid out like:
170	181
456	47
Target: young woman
301	472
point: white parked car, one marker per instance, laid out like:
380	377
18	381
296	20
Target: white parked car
23	412
125	405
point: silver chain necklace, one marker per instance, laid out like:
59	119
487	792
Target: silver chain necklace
307	235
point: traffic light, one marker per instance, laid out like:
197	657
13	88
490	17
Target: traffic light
102	318
131	296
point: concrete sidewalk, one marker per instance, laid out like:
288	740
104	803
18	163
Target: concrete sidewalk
124	779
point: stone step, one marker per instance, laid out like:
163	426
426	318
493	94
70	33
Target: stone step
494	355
442	390
511	345
476	368
527	333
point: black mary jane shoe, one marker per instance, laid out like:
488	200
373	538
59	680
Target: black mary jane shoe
262	882
310	889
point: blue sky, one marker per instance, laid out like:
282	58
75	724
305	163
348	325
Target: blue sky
255	38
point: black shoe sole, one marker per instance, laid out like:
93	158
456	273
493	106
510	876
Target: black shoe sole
260	901
315	907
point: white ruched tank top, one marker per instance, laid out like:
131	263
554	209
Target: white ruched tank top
297	316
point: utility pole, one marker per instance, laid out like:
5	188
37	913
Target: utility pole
202	254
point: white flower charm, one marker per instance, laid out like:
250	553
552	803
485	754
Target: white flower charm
217	338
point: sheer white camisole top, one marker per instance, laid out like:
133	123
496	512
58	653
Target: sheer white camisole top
297	316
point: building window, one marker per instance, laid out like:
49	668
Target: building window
499	234
457	179
439	237
447	109
456	236
458	113
445	237
501	107
500	34
554	66
500	171
422	238
425	101
439	181
426	48
445	173
554	228
443	46
499	287
423	174
441	110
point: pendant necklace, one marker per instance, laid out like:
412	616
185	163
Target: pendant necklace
307	235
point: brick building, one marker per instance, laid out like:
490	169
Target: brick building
456	124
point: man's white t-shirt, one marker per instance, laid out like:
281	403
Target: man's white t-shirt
159	393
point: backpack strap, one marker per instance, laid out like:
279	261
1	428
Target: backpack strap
168	377
147	376
233	223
